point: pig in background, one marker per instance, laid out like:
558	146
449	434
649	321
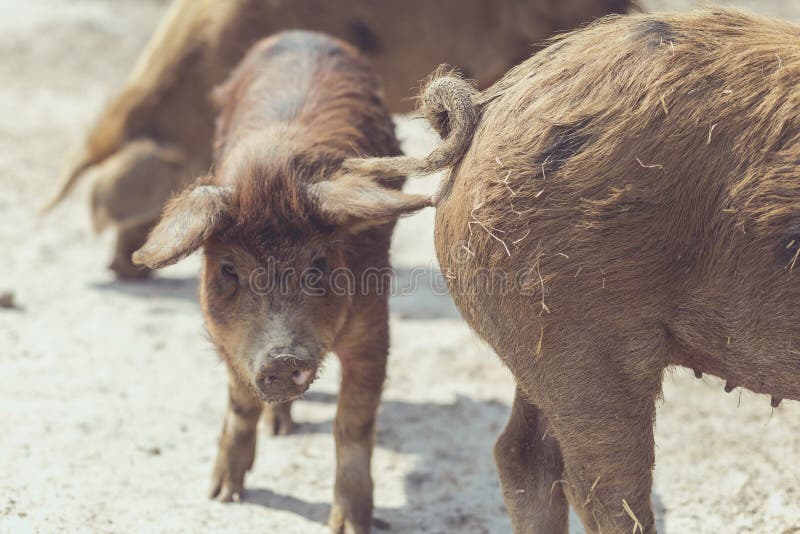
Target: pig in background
277	203
642	175
154	137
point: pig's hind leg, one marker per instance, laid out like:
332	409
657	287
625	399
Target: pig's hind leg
237	444
530	466
278	418
363	351
601	406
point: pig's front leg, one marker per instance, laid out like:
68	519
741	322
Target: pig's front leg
278	418
237	444
363	356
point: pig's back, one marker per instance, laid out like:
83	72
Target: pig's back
295	79
626	163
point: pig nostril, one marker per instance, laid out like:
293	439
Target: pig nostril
301	377
282	376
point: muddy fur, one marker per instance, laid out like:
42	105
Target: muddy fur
165	100
640	176
277	202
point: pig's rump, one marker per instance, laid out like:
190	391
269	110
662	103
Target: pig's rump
624	201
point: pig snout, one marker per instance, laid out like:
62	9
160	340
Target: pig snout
285	377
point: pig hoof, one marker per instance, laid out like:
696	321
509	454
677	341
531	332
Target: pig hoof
698	374
226	494
225	490
278	419
776	401
729	387
233	462
340	524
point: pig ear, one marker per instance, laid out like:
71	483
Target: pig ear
358	202
188	221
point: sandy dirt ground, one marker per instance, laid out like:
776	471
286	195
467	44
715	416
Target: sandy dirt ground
111	398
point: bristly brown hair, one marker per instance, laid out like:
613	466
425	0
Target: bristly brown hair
642	176
271	194
271	170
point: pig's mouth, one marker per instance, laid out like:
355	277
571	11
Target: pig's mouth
284	378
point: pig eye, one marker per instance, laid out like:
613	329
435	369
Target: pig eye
228	270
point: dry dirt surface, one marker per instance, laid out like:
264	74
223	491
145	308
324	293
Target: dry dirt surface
111	397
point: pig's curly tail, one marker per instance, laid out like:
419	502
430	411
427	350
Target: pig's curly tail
448	103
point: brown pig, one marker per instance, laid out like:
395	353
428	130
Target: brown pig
289	244
634	190
155	135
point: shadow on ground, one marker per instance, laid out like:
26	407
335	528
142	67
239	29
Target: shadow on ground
427	431
158	287
313	511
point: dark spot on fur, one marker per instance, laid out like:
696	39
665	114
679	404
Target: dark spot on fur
566	142
789	138
790	248
655	33
364	38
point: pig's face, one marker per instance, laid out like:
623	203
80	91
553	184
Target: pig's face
270	252
271	310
